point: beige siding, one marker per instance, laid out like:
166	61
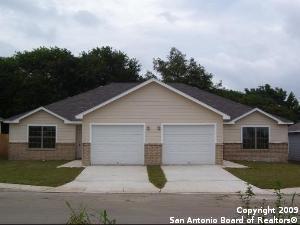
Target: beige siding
152	105
65	132
278	133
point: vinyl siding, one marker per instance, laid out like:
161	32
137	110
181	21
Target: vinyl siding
65	132
278	133
152	105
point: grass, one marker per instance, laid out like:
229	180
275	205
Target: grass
269	175
156	176
40	173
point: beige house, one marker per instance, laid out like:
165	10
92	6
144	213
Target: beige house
148	123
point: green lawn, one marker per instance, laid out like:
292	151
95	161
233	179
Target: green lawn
269	175
156	176
41	173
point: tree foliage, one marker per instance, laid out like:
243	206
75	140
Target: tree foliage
179	69
33	78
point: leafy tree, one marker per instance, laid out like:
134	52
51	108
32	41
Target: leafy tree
272	100
149	75
33	78
179	69
104	65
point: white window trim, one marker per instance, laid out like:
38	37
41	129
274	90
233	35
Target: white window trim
117	124
265	126
42	125
187	124
45	110
80	115
262	112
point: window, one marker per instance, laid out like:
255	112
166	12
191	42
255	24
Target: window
42	137
255	137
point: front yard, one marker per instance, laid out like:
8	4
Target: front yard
269	175
40	173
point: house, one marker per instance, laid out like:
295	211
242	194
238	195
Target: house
1	121
294	142
148	123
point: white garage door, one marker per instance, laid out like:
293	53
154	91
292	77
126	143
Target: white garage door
188	144
117	144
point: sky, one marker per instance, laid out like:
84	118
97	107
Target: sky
244	43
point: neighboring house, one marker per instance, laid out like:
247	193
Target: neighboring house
1	121
148	123
294	142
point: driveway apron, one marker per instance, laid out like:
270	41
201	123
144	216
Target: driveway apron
204	178
111	179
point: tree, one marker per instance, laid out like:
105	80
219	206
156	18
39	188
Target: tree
179	69
149	75
272	100
104	65
34	78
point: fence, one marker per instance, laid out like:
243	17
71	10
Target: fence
4	145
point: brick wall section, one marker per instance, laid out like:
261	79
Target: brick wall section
277	152
86	154
153	154
219	154
62	151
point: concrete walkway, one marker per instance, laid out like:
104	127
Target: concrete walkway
110	179
205	179
24	187
229	164
72	164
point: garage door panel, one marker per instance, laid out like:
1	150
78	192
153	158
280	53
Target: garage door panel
189	147
111	140
117	144
188	144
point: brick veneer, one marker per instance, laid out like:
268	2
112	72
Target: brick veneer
62	151
219	154
86	154
152	154
277	152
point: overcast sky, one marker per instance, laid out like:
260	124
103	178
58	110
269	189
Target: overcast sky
243	43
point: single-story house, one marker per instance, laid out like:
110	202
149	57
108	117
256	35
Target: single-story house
148	123
294	142
1	120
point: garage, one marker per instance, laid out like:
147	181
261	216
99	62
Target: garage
294	146
188	144
117	144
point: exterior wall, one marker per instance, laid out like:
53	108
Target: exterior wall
65	139
219	154
20	151
152	105
153	154
278	133
86	154
278	139
18	133
277	152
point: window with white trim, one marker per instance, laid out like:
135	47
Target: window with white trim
255	137
41	137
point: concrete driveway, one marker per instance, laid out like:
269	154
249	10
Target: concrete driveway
111	179
205	179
